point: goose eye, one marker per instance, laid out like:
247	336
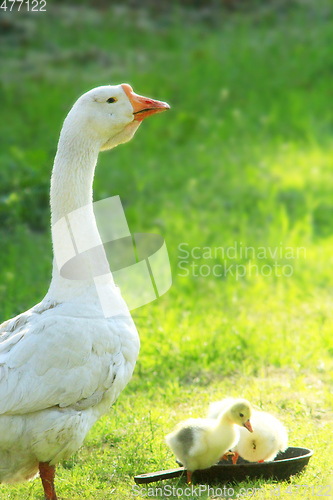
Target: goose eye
241	415
111	100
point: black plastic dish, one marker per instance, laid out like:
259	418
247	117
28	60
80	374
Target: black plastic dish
286	464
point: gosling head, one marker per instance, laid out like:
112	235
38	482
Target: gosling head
240	413
110	115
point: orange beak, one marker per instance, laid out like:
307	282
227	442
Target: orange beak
248	425
143	106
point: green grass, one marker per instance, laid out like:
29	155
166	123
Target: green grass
244	155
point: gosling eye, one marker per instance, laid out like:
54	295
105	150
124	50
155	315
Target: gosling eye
241	415
111	100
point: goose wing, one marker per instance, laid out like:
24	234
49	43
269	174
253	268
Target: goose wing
52	359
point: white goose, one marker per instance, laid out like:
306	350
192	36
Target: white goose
63	363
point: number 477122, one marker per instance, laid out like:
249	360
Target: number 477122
29	5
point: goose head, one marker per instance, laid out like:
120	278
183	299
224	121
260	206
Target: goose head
110	115
240	413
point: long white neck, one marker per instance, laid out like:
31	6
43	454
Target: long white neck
71	189
72	177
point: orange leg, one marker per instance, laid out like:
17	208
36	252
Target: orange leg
235	458
261	461
47	473
189	477
227	455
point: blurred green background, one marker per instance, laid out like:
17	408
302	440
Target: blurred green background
244	155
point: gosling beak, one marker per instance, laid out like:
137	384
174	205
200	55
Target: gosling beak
143	106
248	425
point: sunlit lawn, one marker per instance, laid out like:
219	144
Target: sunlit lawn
243	159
